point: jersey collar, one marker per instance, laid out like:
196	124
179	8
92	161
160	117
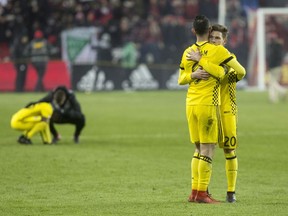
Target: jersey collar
202	43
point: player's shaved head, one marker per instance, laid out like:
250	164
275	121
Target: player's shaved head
201	25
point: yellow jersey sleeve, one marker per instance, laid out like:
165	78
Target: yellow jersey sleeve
223	55
239	69
213	69
44	109
212	63
186	68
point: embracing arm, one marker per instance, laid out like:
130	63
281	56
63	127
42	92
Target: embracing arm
239	69
185	70
213	69
184	76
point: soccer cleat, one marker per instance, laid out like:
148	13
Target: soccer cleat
56	138
231	197
76	139
24	140
192	196
20	138
204	197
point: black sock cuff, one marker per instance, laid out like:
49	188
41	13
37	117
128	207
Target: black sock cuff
231	158
206	158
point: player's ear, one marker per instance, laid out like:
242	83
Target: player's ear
210	29
193	31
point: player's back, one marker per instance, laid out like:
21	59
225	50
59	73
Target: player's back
39	109
44	109
207	92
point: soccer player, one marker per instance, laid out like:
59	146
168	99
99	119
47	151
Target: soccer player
33	119
67	112
202	105
218	36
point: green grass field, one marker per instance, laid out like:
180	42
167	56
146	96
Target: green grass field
134	159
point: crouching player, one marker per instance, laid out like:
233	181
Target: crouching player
33	119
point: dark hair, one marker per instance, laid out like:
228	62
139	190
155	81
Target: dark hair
59	96
220	28
201	25
62	87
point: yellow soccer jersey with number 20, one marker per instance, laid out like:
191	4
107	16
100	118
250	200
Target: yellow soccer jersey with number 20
204	92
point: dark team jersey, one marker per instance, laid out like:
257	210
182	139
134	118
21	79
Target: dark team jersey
71	105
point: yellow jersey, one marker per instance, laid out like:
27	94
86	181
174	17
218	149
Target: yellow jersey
228	91
42	109
204	92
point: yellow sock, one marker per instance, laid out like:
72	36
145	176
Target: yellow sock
231	170
205	171
194	171
36	128
46	136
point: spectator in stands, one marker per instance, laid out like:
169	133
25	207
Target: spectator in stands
129	62
173	16
39	50
19	60
20	39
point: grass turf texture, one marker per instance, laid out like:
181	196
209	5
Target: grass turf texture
134	159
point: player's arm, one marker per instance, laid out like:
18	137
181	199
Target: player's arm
75	105
75	110
200	74
185	70
211	68
239	69
184	76
45	109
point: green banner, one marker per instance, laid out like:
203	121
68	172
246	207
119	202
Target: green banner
74	46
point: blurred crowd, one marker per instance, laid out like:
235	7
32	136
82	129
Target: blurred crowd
160	28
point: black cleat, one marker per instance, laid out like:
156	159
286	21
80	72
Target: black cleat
231	197
76	139
24	140
56	139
